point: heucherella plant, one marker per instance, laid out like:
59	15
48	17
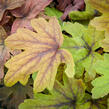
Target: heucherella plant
69	95
51	60
41	52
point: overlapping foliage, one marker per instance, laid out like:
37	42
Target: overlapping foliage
102	22
39	54
63	45
4	51
83	44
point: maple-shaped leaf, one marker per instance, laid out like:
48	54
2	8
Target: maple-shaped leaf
29	10
100	84
4	52
83	44
11	97
102	22
42	53
67	96
9	5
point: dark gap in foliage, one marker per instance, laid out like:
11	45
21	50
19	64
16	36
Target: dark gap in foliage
27	96
100	50
88	92
66	33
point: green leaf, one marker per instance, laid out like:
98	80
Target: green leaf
75	29
83	15
101	84
53	12
34	75
82	45
67	96
108	103
90	103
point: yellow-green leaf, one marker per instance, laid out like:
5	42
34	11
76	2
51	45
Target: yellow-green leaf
100	5
41	53
102	22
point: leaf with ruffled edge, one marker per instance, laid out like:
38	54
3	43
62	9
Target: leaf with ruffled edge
42	53
101	87
83	44
67	96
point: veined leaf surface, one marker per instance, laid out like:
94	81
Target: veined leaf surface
42	53
83	44
67	96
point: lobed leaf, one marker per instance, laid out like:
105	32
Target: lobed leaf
67	96
101	88
83	44
42	53
101	23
